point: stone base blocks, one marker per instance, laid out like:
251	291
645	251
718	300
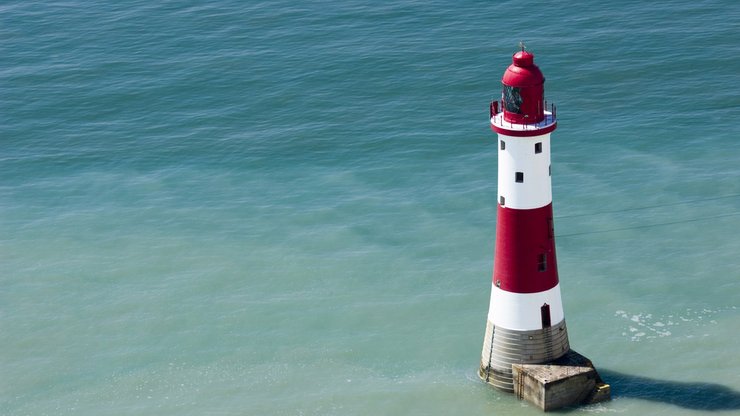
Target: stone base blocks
503	347
567	381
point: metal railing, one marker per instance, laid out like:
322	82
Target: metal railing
497	105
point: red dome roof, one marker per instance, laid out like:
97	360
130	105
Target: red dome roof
523	72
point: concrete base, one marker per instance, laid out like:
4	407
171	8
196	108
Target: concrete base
567	381
503	347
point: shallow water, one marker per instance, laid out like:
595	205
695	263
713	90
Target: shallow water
289	208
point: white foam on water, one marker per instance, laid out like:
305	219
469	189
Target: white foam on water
643	326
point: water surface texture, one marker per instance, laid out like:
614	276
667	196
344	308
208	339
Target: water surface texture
289	207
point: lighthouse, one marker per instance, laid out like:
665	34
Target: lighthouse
525	348
526	322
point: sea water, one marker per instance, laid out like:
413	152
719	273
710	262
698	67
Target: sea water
289	207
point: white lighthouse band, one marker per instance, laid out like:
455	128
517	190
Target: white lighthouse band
524	171
522	311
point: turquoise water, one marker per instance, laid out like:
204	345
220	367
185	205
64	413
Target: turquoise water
288	208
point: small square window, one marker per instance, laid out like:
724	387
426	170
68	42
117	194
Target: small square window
501	200
503	145
538	147
542	262
519	177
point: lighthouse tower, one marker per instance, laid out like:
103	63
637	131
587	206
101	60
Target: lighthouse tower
526	323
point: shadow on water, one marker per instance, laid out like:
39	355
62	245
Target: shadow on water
691	395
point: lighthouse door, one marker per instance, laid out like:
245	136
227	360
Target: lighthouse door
545	314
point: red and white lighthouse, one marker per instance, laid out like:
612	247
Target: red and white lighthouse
526	323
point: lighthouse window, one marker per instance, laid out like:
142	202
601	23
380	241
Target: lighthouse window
538	147
519	177
512	99
542	262
503	145
549	170
501	200
545	315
